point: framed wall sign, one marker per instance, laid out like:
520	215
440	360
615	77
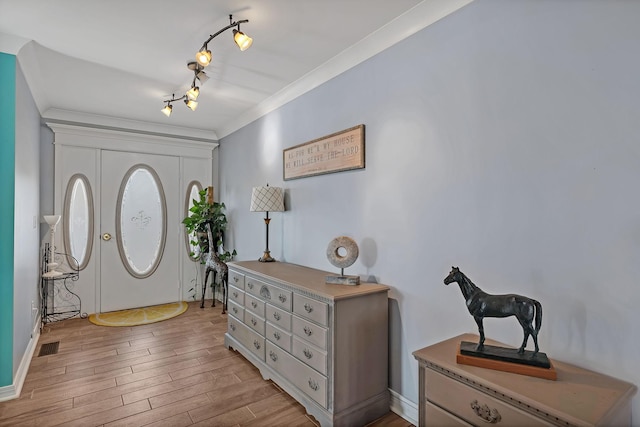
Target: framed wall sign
337	152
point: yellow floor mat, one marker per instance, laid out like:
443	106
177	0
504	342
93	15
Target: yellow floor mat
139	316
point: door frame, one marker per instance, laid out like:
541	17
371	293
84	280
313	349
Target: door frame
72	136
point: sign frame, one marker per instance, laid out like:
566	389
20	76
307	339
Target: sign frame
338	152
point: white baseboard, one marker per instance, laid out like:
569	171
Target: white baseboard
13	391
404	407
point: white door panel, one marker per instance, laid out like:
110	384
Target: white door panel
133	227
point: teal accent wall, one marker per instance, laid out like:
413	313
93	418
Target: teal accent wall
7	205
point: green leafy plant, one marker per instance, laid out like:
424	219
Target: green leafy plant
202	213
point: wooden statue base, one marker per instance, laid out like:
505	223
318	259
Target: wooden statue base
507	360
343	280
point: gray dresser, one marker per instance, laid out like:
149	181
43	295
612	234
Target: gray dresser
325	345
452	394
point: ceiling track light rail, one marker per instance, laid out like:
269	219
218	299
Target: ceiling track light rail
203	58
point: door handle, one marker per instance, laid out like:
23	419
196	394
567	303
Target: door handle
106	237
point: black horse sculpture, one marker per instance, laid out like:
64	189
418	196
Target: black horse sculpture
482	304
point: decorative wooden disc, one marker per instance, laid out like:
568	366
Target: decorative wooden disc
350	247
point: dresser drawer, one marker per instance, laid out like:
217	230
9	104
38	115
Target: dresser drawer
310	332
270	293
279	297
472	405
306	379
236	310
254	305
310	355
311	309
247	337
254	321
437	417
278	317
236	295
279	337
236	279
252	286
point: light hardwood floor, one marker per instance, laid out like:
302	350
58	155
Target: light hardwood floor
173	373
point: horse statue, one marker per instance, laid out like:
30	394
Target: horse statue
482	304
219	268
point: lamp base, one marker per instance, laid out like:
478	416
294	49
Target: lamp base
266	257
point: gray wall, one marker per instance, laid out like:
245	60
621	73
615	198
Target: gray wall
27	219
503	140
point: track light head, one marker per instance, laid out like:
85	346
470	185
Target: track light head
167	110
192	104
202	76
203	57
193	93
242	40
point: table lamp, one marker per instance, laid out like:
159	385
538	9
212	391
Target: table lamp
267	199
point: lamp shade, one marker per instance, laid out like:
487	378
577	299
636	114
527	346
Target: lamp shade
203	57
52	220
193	93
242	40
267	199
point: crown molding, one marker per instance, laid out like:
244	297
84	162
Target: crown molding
415	19
54	115
11	44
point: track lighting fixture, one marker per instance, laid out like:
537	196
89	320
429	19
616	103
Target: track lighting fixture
203	58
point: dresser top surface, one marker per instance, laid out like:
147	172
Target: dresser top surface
310	278
585	395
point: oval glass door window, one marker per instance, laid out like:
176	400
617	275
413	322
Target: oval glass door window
78	220
141	221
193	193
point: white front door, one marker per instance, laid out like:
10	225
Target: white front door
140	210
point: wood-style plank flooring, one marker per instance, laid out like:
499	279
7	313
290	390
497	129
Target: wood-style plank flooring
173	373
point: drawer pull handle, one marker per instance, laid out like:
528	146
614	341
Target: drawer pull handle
276	336
235	294
313	385
236	279
276	315
273	356
232	326
307	353
250	285
282	298
264	292
308	308
253	304
254	322
308	331
491	416
235	310
256	344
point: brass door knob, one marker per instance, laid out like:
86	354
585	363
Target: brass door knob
106	237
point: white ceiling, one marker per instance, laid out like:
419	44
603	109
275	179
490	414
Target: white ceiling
119	59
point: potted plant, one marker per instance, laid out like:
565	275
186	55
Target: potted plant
202	213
